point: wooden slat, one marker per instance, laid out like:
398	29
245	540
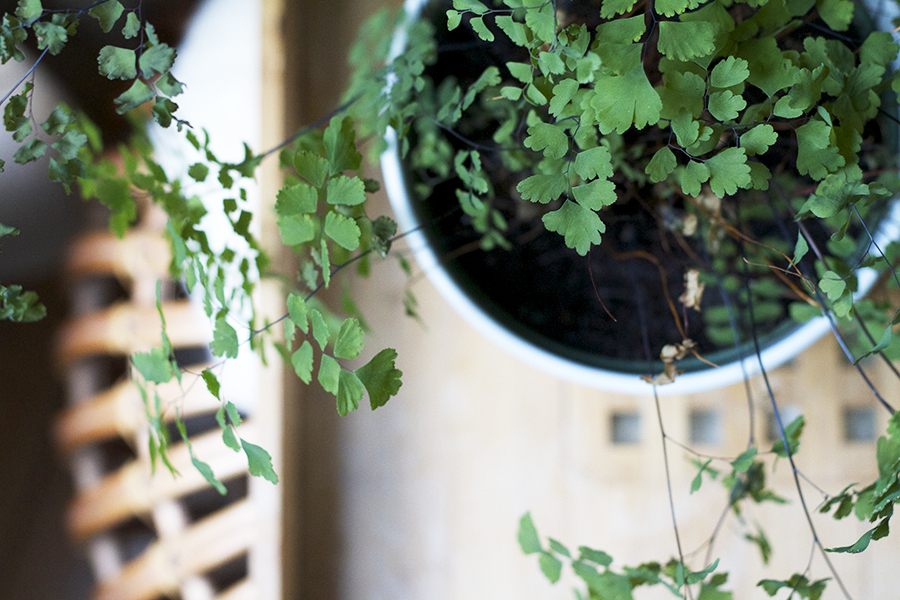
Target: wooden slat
125	329
137	254
159	570
132	491
118	411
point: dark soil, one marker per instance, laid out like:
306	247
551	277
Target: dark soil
608	308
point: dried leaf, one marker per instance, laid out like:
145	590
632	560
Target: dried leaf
693	290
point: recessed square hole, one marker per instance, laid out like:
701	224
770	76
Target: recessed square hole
705	426
788	413
626	428
859	424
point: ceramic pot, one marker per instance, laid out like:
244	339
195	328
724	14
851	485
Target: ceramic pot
783	343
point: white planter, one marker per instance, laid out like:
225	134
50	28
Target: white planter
772	354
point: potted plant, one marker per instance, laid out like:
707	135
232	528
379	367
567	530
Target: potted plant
687	139
630	132
591	120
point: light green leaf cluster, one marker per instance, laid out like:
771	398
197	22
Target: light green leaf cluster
379	377
797	583
874	502
593	567
321	210
20	306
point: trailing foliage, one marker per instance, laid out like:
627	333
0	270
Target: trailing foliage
593	568
321	217
699	105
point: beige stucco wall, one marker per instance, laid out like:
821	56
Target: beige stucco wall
434	483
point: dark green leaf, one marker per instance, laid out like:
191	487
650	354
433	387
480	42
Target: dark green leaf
725	106
30	151
661	165
14	114
550	139
11	35
19	306
792	433
685	41
728	171
168	85
136	95
729	72
107	13
162	111
581	227
758	139
117	63
52	36
380	377
259	461
543	188
57	122
29	10
383	230
596	194
69	144
156	60
861	544
198	171
212	382
132	26
816	154
594	162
